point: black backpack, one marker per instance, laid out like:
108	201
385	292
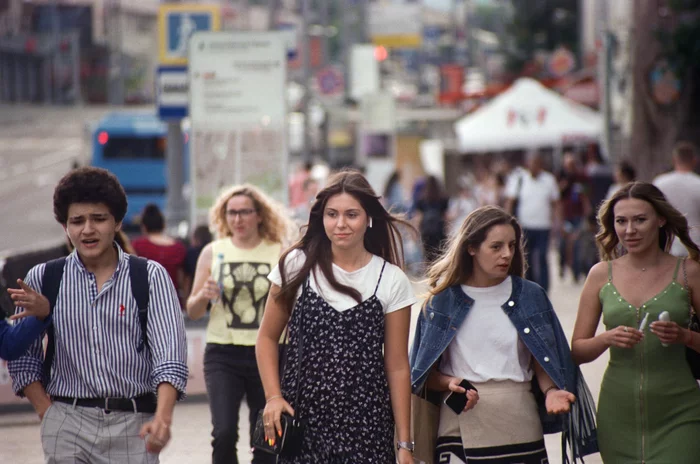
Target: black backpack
53	274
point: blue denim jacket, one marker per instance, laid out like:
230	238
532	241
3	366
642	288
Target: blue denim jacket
531	312
15	339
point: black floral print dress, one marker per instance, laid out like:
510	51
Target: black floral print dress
344	398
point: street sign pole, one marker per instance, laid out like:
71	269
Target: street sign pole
172	92
325	57
176	206
115	72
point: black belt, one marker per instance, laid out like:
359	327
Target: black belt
145	403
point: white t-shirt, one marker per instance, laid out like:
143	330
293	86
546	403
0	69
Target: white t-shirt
682	189
395	291
535	197
487	346
459	208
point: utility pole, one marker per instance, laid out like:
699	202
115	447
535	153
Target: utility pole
55	39
272	12
115	90
324	39
606	63
306	76
345	47
353	31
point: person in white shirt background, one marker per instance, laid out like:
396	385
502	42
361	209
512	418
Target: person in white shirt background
533	197
682	189
462	205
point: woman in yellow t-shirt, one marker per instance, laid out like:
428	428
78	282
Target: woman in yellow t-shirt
231	278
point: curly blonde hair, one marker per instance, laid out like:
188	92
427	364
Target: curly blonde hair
275	226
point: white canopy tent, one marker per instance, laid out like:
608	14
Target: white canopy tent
527	116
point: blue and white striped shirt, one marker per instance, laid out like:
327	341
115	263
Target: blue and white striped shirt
97	334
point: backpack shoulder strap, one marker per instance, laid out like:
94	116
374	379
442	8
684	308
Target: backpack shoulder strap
51	282
50	285
138	274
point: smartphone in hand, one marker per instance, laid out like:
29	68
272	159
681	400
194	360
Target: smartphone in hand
457	401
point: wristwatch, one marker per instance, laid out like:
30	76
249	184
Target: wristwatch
407	445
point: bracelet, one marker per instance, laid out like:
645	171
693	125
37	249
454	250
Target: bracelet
407	445
273	398
553	387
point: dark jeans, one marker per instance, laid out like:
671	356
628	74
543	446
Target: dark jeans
537	246
569	243
230	372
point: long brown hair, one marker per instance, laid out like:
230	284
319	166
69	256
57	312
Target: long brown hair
676	223
382	239
456	264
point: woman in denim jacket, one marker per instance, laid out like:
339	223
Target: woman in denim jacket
485	324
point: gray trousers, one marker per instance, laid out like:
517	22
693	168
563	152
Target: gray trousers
89	435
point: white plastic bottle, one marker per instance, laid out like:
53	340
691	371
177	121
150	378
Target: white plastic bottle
217	274
665	317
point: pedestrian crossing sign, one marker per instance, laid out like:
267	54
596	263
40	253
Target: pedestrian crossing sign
176	24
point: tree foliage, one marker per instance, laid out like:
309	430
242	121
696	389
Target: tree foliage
681	39
664	32
540	25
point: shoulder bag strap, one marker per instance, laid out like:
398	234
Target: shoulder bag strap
691	312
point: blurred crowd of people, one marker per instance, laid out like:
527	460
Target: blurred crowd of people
555	199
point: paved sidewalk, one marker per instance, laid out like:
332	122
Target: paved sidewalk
191	429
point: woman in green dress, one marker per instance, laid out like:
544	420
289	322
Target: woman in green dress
649	405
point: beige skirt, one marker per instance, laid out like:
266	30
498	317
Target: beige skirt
504	424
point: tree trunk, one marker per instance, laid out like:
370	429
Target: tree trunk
656	127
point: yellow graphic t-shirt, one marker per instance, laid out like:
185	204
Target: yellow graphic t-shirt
235	317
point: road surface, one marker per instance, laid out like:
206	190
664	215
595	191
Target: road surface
38	145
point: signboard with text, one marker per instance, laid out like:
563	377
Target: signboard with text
395	25
238	114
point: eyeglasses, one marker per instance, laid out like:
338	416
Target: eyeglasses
240	212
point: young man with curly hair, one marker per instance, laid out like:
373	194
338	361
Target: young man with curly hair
108	391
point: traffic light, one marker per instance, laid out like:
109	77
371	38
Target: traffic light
380	53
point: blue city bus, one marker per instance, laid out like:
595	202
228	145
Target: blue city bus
132	145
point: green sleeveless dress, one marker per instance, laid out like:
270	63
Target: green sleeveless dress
649	405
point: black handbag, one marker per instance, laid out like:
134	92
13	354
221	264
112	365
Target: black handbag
290	443
692	356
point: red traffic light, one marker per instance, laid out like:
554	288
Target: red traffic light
381	53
